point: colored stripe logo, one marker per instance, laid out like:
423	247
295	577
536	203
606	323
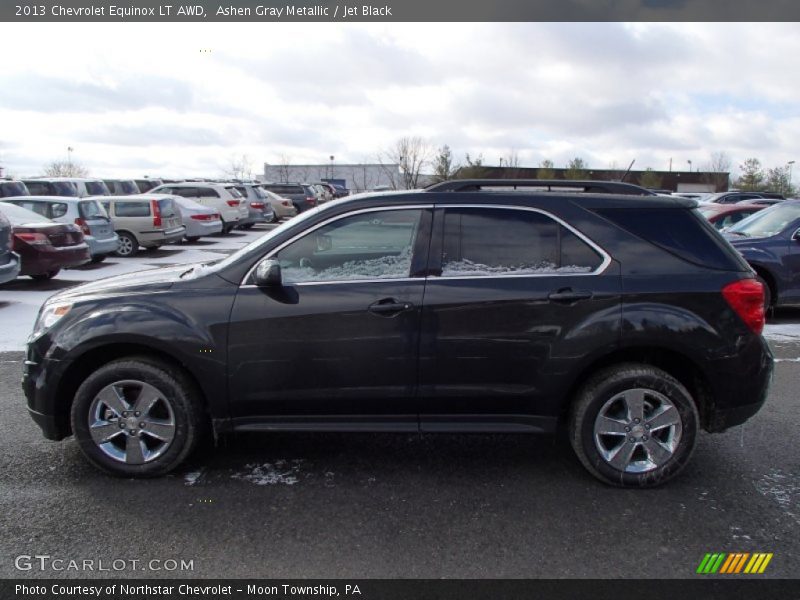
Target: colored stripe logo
734	563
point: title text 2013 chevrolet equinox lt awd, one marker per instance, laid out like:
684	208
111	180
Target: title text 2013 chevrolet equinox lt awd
628	320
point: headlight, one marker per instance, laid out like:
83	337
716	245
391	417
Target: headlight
49	316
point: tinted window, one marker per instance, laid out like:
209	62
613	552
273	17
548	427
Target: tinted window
166	207
97	188
768	222
285	189
205	192
13	188
58	209
184	192
375	245
683	232
129	187
64	188
37	188
235	192
486	241
91	209
132	209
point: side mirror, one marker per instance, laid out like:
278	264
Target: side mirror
796	235
268	273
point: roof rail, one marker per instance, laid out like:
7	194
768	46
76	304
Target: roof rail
548	185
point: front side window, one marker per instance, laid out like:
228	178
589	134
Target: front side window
487	241
37	188
371	245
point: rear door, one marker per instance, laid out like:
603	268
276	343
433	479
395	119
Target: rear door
515	296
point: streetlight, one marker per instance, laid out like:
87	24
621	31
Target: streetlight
789	164
690	165
331	176
70	150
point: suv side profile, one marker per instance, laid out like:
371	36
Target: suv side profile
626	320
143	220
222	197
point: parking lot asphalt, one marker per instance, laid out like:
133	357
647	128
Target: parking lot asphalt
345	505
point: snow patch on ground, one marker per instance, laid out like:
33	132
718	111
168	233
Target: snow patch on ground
783	332
280	472
193	477
784	489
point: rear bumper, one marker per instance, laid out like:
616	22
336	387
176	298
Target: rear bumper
149	239
10	270
43	262
102	247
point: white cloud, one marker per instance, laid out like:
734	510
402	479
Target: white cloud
135	98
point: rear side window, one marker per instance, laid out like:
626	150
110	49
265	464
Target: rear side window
680	231
184	192
64	188
235	192
166	207
37	188
129	187
285	189
205	192
486	241
132	209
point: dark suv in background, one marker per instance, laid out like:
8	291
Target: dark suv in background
626	320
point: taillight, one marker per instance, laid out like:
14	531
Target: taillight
32	239
258	205
232	202
156	213
286	203
82	224
746	298
212	217
311	200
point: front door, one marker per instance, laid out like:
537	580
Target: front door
337	344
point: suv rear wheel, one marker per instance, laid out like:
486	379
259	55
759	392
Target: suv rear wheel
633	426
127	245
136	418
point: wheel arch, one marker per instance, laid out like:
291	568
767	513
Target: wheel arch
674	363
96	357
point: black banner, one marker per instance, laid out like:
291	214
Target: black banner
731	588
399	10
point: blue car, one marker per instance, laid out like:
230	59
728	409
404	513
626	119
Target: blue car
769	240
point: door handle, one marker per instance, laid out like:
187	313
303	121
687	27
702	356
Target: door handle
569	295
389	307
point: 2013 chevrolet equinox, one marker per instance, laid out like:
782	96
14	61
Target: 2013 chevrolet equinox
627	319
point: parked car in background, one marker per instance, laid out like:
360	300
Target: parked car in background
9	260
87	213
85	186
762	201
736	196
199	220
143	220
625	321
145	185
259	208
44	246
301	195
282	208
324	192
121	187
340	190
50	186
12	187
769	240
723	216
222	197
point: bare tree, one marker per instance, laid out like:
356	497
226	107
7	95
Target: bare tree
284	168
239	167
546	170
718	171
65	168
510	164
363	177
411	154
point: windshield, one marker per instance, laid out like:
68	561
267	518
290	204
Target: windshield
91	209
97	188
767	222
21	216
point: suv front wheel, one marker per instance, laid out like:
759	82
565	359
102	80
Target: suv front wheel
633	426
136	417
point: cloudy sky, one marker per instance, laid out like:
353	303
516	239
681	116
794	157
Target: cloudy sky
142	99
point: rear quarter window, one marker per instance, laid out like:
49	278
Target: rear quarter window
683	232
132	209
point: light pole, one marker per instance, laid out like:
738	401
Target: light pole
690	165
331	175
789	164
70	150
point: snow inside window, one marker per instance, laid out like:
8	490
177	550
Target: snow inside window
467	268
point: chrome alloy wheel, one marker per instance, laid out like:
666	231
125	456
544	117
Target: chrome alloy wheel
125	246
637	430
132	422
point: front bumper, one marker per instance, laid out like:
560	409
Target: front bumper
40	378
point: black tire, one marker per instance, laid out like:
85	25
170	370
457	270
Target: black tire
45	276
275	218
227	228
98	258
177	398
128	245
246	227
192	238
767	295
606	391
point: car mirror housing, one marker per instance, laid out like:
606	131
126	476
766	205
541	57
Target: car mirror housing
796	235
268	273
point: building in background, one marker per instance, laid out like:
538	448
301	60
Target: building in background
355	177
